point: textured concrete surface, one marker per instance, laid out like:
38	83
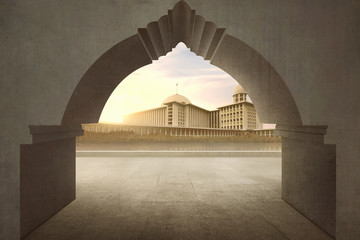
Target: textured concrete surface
309	181
47	174
309	174
178	198
47	46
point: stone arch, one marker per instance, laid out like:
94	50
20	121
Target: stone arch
304	151
204	38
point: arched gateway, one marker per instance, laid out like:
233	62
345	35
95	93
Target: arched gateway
205	39
303	146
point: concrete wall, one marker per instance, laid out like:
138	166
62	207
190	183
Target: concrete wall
47	174
47	46
309	174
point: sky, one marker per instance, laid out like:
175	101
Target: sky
203	84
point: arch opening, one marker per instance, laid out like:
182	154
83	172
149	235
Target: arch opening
205	39
171	97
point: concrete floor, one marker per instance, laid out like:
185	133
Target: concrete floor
178	198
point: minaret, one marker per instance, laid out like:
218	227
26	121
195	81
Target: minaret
239	94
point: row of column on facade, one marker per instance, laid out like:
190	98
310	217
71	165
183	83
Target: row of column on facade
143	130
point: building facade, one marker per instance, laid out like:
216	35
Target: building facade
178	111
175	131
239	115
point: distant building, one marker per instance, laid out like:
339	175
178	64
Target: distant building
175	110
178	111
241	114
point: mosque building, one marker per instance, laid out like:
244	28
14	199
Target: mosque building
177	111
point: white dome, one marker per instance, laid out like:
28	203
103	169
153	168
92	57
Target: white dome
239	89
176	98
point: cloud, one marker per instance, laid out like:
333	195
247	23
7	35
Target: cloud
204	84
181	62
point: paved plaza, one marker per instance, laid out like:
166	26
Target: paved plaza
178	198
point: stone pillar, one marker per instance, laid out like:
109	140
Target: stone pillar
309	173
47	173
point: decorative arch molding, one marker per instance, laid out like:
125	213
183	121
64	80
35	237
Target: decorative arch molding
268	91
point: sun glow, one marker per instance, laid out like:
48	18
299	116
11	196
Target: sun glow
204	84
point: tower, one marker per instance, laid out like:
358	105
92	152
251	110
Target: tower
239	94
